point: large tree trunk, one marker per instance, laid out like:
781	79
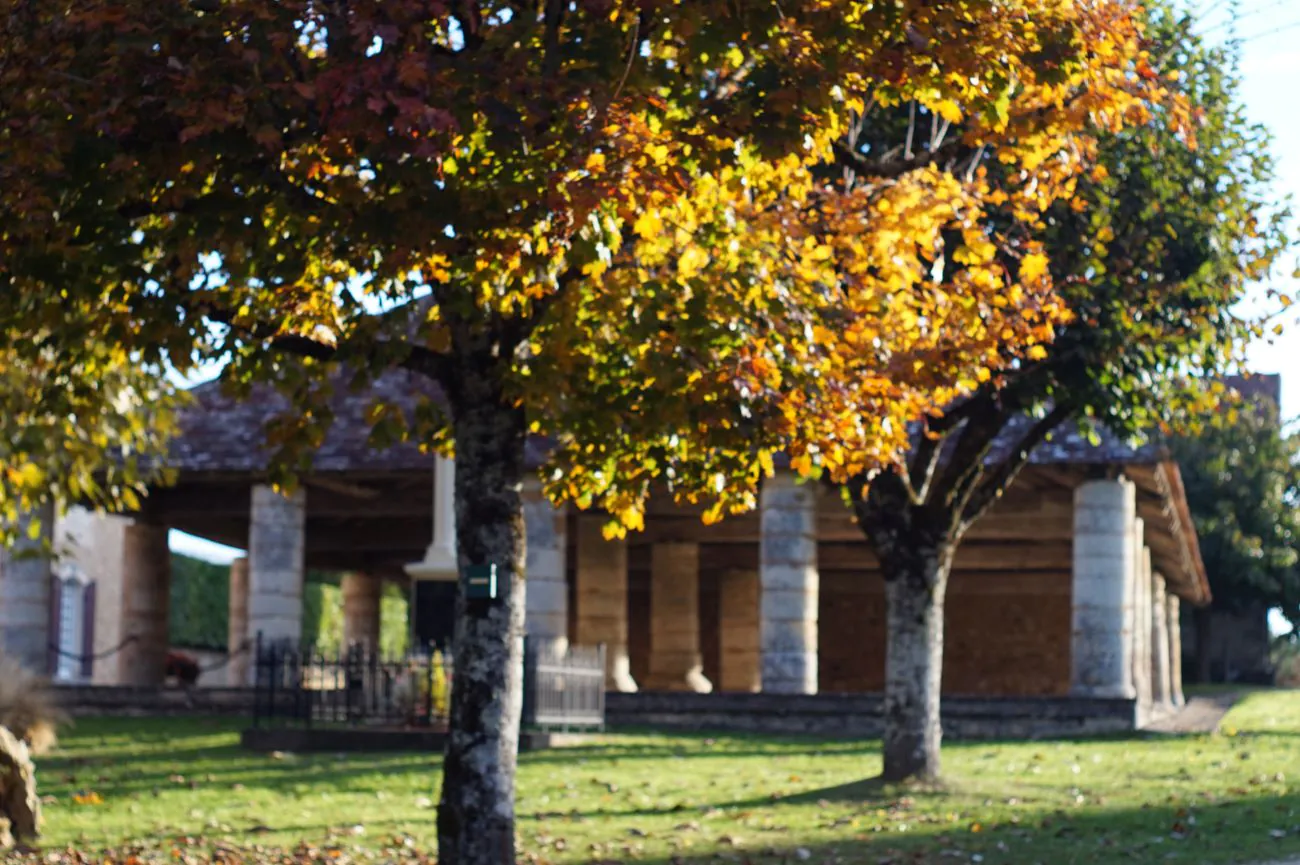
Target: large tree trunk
916	577
915	544
476	812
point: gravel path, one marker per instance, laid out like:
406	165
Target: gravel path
1198	715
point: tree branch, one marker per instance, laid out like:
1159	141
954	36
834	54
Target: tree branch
552	20
400	354
996	482
470	20
924	463
965	464
414	358
890	166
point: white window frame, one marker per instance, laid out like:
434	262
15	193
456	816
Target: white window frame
72	626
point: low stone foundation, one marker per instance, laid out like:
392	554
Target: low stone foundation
297	740
852	715
367	741
137	701
859	715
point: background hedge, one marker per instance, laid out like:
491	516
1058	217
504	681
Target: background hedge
200	609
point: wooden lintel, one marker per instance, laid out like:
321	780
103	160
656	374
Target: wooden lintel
356	491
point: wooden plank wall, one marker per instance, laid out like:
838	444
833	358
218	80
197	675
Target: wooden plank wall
1007	627
1008	606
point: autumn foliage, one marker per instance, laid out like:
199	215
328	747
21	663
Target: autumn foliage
280	170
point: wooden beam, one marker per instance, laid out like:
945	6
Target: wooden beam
1051	522
962	584
1008	556
351	490
189	502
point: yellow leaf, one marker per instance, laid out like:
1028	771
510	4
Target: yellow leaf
648	225
948	110
1032	267
691	261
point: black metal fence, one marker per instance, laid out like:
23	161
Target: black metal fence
564	687
358	686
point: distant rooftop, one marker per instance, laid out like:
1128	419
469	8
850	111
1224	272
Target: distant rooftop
1266	385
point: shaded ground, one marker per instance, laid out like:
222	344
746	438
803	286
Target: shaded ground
1200	714
183	791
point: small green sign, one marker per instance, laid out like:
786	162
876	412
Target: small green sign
482	582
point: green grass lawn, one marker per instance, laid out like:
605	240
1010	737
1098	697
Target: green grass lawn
183	787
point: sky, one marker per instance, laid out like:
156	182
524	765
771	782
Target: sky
1270	73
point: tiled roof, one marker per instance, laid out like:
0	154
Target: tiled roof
1068	445
221	434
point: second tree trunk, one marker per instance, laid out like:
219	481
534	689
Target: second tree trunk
916	578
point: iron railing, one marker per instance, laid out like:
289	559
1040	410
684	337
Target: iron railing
358	686
564	686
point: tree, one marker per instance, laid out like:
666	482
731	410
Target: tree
1242	476
1149	251
63	412
541	208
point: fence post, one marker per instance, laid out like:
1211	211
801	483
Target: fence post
428	692
530	684
600	685
257	681
299	681
272	673
373	685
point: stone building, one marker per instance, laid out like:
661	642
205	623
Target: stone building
1068	589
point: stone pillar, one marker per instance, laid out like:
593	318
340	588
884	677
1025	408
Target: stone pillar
739	606
238	647
26	578
675	660
276	553
1173	618
1142	622
544	569
146	604
790	584
600	596
1105	566
361	597
1160	687
439	562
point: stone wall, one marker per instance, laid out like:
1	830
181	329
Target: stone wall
859	715
84	700
95	543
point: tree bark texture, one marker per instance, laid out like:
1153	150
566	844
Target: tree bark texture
476	811
915	545
915	583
